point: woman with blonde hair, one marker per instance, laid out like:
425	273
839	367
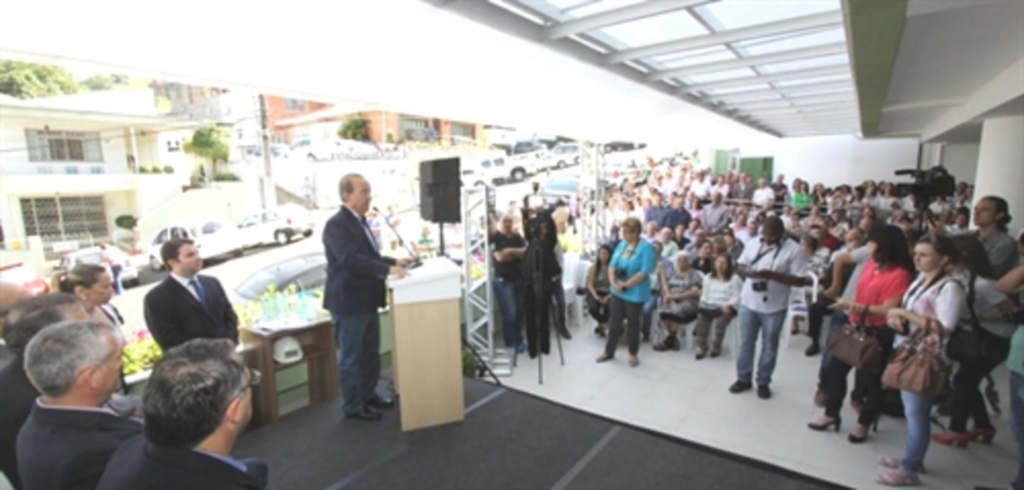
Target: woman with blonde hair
630	272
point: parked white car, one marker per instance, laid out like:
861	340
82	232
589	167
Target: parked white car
94	255
279	225
213	237
565	154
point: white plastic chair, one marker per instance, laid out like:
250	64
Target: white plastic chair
798	307
570	264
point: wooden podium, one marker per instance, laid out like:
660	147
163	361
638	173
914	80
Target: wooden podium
427	352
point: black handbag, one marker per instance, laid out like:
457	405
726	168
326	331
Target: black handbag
710	313
974	344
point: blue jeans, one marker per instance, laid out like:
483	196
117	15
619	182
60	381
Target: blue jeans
647	315
358	338
769	325
115	271
509	296
1017	423
917	408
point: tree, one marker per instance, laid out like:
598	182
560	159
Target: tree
99	82
210	142
355	128
30	80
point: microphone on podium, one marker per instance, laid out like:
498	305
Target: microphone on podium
412	253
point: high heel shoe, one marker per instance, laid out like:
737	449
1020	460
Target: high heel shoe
835	424
858	440
986	435
961	439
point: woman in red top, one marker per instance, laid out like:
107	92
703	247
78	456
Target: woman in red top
885	278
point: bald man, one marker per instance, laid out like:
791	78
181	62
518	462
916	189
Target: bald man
771	265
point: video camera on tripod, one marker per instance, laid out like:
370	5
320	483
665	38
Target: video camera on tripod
928	184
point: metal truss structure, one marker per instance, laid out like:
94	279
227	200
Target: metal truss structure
593	199
478	298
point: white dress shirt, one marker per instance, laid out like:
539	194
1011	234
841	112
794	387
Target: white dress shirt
763	197
185	283
787	258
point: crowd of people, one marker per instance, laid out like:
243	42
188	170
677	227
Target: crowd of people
688	247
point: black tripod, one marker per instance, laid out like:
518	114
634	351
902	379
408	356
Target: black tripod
542	295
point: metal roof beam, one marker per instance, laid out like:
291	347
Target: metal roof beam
764	59
794	101
837	107
840	69
787	89
722	37
618	16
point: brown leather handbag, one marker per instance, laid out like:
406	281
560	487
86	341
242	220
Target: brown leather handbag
917	366
857	346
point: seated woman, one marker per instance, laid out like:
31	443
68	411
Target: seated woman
679	305
720	294
705	260
599	290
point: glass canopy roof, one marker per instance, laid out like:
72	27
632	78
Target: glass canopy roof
779	65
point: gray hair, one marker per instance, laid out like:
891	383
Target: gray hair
348	184
55	356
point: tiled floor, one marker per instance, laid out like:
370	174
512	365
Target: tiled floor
678	395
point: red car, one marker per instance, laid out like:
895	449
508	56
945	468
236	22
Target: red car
25	277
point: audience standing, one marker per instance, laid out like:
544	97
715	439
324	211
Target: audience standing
24	320
198	401
69	436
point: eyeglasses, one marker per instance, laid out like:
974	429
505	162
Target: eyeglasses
255	376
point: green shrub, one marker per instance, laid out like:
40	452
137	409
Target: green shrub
141	355
126	221
468	363
168	169
144	170
226	177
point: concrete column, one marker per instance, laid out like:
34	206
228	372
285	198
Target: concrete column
1001	165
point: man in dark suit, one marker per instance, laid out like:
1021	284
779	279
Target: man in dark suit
187	305
24	320
355	289
69	436
198	401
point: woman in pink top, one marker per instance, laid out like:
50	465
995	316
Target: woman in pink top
881	286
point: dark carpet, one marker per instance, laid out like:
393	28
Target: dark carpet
513	441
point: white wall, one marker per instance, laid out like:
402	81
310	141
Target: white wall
961	160
835	160
14	158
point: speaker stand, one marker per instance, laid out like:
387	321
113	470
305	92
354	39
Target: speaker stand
440	240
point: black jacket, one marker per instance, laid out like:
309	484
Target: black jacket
18	397
139	465
174	315
68	449
355	269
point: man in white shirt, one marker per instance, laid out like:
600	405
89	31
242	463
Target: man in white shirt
764	195
771	267
701	185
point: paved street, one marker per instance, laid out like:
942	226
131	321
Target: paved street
232	272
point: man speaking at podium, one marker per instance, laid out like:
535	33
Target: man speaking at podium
356	272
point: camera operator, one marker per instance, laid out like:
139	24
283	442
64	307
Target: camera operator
771	266
541	277
508	248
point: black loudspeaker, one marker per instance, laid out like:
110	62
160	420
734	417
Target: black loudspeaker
440	191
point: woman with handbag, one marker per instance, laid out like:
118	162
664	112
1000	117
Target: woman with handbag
599	290
719	299
867	342
979	346
680	301
630	272
932	307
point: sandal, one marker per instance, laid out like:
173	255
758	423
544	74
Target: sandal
633	361
893	462
604	357
898	479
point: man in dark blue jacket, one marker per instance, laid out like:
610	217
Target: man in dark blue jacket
356	272
655	213
676	216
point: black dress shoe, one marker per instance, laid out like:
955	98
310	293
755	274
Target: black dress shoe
364	413
380	402
763	392
812	350
740	387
